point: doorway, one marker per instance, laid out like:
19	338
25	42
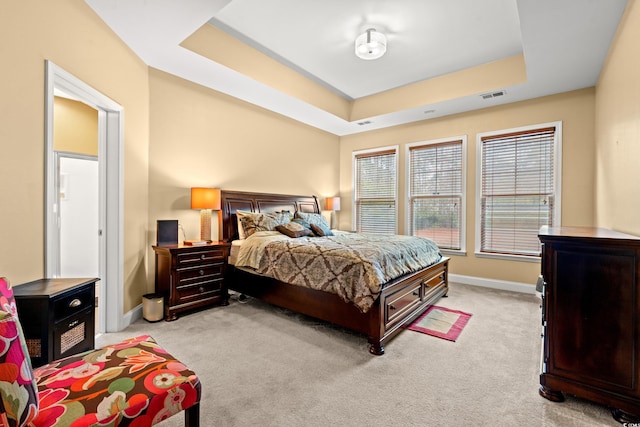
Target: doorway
109	192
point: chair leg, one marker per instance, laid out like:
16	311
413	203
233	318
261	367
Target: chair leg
192	416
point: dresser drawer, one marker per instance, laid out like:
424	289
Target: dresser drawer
398	303
73	303
198	290
198	274
200	257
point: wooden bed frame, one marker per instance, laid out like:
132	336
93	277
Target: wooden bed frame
401	301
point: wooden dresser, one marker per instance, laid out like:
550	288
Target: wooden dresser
190	277
591	317
57	317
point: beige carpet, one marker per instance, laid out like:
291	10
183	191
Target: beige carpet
264	366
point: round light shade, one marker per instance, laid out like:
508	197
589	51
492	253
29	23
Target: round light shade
371	44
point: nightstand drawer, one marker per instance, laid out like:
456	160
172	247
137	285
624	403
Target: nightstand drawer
72	304
207	272
74	335
199	257
198	290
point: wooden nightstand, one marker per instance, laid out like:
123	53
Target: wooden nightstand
57	317
191	277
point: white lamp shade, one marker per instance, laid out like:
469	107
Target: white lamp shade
371	45
332	203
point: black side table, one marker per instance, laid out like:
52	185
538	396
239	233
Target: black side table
57	317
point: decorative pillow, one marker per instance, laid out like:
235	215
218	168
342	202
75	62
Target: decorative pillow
320	230
18	389
293	229
239	215
255	222
288	213
302	222
313	218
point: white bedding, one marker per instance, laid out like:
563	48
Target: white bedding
251	249
233	253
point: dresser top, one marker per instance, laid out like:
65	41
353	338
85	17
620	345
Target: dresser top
50	287
584	232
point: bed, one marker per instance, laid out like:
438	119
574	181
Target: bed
400	301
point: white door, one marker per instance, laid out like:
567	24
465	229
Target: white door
79	220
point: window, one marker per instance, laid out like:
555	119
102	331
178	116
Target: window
518	188
375	176
436	184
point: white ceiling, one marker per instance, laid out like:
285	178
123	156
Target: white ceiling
564	42
425	38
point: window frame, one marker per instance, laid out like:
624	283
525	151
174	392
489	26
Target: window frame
463	189
354	168
556	213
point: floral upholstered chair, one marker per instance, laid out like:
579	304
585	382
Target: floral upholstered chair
134	383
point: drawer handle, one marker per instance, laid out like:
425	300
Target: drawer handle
201	272
202	256
74	323
201	289
416	293
392	307
75	303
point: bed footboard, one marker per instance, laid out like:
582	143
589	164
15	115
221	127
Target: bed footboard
406	298
401	301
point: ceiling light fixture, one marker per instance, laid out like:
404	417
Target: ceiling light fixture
371	44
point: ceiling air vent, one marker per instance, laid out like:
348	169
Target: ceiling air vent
366	122
493	94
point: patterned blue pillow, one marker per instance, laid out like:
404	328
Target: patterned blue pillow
320	230
313	218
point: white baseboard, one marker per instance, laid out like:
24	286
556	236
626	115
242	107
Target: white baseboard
131	316
525	288
504	285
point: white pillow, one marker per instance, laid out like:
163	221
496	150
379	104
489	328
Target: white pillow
241	233
257	221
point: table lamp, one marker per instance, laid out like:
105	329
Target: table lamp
205	199
332	204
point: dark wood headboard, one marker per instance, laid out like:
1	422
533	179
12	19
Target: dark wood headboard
259	202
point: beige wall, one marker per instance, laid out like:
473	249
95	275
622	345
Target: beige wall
179	135
75	127
574	109
202	138
68	33
618	130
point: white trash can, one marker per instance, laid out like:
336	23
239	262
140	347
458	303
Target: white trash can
152	307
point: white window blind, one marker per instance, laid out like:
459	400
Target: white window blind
375	192
518	191
435	192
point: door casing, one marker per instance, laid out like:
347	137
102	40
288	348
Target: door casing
110	148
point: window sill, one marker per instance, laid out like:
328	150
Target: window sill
522	258
453	252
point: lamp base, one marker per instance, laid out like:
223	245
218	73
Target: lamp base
205	225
